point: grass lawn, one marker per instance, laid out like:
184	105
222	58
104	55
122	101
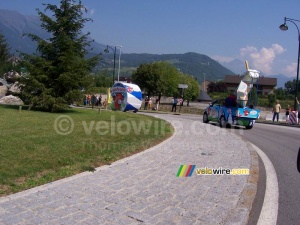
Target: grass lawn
39	147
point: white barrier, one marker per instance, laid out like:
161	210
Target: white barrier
293	117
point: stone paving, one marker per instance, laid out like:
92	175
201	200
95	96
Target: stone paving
144	188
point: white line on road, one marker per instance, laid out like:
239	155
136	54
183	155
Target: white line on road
269	211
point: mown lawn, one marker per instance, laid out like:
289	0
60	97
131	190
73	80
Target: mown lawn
39	147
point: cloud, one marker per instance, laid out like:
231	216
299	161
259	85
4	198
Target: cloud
261	59
291	70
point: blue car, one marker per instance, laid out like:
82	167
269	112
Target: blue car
227	115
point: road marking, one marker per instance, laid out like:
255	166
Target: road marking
269	211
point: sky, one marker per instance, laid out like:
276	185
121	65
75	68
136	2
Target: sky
221	29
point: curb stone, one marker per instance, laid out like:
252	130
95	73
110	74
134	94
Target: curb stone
240	215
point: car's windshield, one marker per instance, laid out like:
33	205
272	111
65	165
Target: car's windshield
218	102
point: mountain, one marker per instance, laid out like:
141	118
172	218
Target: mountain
236	65
13	25
195	64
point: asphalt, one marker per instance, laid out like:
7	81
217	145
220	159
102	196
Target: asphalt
145	188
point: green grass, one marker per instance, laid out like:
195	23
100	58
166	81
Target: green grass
34	151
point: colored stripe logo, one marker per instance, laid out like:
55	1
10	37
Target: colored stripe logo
186	170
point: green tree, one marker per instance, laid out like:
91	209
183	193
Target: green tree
60	69
146	77
102	79
159	78
4	55
271	99
169	79
290	86
192	92
281	94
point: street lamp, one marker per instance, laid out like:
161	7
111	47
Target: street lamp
114	49
284	27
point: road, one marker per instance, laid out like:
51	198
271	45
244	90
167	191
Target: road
281	144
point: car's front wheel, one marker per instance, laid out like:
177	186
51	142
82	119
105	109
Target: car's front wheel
223	122
205	118
249	127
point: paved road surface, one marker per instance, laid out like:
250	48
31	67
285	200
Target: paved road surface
281	144
144	189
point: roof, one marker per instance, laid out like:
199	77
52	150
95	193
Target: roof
236	79
203	96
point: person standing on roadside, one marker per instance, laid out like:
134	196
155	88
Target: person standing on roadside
298	110
287	113
150	103
146	103
276	111
174	104
157	103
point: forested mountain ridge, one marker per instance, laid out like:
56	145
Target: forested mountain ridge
194	64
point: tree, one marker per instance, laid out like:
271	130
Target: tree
169	79
59	69
102	79
271	99
159	78
290	86
147	77
192	92
4	55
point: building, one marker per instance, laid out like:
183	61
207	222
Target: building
266	85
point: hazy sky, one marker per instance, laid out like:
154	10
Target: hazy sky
222	29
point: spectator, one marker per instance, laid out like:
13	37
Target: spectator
276	111
174	104
89	97
146	103
181	101
85	100
287	113
105	103
94	100
150	103
100	100
157	103
298	110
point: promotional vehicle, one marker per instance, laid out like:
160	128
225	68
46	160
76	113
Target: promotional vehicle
234	110
125	97
227	115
